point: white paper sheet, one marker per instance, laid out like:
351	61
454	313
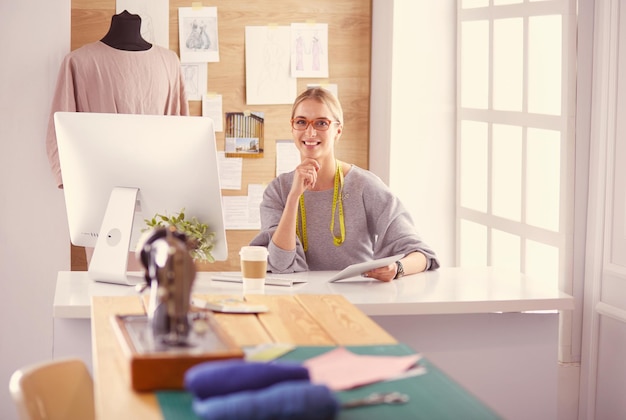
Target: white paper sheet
268	71
241	212
197	35
287	156
230	170
212	108
309	50
195	76
236	213
255	196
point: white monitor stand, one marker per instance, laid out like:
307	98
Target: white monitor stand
110	256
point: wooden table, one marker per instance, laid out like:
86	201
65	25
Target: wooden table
305	320
482	326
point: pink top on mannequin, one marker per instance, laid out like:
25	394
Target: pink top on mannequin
123	74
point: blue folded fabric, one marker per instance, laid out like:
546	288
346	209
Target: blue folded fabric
291	400
224	377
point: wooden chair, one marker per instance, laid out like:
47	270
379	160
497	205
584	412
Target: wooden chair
54	390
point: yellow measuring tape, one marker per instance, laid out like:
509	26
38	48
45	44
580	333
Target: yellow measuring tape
337	204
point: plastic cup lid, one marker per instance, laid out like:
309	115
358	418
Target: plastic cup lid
254	253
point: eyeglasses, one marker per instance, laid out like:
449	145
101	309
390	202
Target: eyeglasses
319	124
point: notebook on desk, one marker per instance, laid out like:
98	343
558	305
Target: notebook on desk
272	280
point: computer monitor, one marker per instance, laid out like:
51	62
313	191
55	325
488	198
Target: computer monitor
120	169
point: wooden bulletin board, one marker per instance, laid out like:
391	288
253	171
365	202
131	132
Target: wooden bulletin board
349	45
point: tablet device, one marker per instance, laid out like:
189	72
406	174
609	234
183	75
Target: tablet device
360	268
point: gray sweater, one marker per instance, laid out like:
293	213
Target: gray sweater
377	226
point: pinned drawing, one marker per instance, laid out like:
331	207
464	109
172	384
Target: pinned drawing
198	35
268	72
309	50
195	76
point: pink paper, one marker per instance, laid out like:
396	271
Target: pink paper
340	369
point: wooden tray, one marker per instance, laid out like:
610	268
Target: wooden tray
155	366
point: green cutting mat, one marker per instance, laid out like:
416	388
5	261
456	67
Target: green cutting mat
433	396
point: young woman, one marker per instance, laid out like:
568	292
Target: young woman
328	214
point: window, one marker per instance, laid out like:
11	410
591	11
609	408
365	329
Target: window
515	130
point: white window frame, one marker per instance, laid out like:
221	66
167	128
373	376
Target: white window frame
564	123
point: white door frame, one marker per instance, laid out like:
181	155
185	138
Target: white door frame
601	168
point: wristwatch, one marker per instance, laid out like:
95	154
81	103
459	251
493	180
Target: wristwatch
399	271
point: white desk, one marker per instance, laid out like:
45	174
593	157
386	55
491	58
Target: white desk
494	331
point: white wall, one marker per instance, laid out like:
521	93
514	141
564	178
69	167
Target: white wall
34	37
380	87
413	115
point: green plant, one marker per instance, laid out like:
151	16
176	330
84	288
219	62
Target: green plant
199	238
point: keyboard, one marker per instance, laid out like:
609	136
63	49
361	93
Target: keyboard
271	280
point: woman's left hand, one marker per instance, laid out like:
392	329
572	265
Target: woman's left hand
415	262
386	273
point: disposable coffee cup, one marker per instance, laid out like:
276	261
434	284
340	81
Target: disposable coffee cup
253	268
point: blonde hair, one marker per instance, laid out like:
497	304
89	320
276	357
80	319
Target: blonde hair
323	96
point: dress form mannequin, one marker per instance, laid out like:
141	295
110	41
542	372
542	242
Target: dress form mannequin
125	34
